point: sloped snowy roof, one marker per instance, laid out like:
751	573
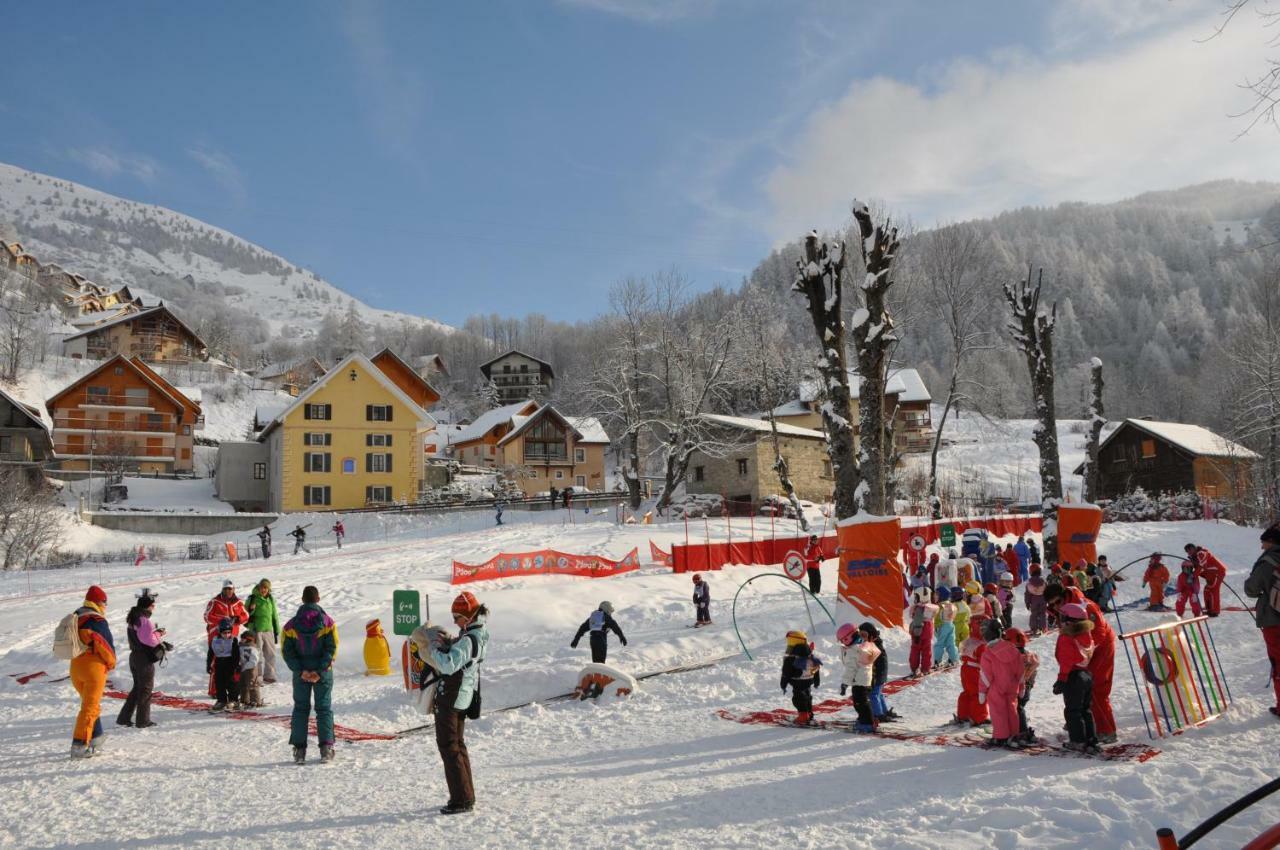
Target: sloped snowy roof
267	410
762	425
590	429
894	385
792	408
1191	438
486	421
913	388
193	393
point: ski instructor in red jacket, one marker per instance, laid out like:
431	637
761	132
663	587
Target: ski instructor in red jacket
1102	663
1214	574
225	604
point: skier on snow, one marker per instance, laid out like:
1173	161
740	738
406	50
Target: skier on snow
812	555
944	630
457	697
801	671
1156	579
599	624
1214	573
701	601
1074	683
859	657
1000	673
225	605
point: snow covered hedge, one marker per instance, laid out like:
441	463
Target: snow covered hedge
697	505
1138	506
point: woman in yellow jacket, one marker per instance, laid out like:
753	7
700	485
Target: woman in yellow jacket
89	671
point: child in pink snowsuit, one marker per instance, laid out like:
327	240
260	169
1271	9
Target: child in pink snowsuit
1033	598
1188	589
922	614
1000	684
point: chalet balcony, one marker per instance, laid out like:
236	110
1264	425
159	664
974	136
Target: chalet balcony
88	399
128	451
546	457
132	424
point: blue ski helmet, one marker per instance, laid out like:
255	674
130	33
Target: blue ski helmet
944	594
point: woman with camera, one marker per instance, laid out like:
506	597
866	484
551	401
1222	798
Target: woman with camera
147	648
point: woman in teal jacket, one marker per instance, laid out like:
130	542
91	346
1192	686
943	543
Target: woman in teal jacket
458	697
264	622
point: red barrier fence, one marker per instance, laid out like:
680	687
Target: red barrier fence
695	557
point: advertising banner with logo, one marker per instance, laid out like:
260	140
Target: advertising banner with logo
545	562
1078	527
871	578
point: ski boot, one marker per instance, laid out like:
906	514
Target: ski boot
299	755
219	706
1109	738
804	718
82	751
457	808
326	752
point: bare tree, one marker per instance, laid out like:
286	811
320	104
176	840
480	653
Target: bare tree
25	321
30	519
956	264
873	338
1033	333
1097	419
1265	87
820	278
1252	400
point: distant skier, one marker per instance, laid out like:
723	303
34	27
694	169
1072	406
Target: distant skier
1033	598
922	613
498	507
339	532
299	536
1156	579
555	495
944	630
599	624
701	601
566	497
1012	564
812	555
1023	551
1004	593
264	536
962	615
801	671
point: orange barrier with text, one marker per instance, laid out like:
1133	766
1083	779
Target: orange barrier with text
871	577
545	562
1078	527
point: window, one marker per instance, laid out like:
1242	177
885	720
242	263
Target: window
316	461
318	411
524	367
317	438
136	396
154	421
579	455
98	394
377	494
186	454
826	469
186	430
559	474
376	462
6	445
1148	448
742	466
377	412
315	495
580	481
506	368
699	473
377	440
119	370
348	466
259	472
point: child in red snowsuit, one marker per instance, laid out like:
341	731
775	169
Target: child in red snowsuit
1000	684
922	614
1102	660
1074	683
1214	573
1156	578
968	708
1188	589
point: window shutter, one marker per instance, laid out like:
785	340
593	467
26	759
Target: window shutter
328	462
388	461
306	411
327	499
388	441
368	462
368	412
368	494
368	439
389	410
306	495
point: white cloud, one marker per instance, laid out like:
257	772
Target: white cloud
984	136
223	170
647	11
107	163
395	94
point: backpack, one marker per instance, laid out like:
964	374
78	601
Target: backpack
473	710
1273	593
66	638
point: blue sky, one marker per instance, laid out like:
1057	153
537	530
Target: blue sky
451	158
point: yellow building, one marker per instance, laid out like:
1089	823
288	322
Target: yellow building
351	439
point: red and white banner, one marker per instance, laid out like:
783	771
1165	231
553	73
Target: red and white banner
660	557
544	562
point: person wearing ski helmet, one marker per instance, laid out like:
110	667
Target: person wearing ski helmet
801	671
221	661
600	623
880	709
1033	598
1074	682
1214	574
309	646
457	697
701	601
225	605
1155	579
812	556
1000	684
147	647
921	628
1102	658
1030	666
969	710
962	616
1263	584
1004	594
859	657
1188	589
944	630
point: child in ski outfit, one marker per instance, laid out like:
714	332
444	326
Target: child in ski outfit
1000	684
922	611
222	661
879	674
859	657
250	676
968	709
701	601
991	593
1030	666
1188	589
1033	598
962	615
944	630
802	671
1004	593
1155	579
1074	683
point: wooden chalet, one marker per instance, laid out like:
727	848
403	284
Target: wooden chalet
155	335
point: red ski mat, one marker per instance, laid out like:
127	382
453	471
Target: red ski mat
786	718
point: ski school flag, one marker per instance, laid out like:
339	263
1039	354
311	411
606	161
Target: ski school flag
660	557
545	562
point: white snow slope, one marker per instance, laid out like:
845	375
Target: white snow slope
657	769
116	241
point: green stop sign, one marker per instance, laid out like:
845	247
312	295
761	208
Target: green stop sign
406	611
947	534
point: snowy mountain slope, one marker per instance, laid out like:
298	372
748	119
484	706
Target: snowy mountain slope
167	254
658	769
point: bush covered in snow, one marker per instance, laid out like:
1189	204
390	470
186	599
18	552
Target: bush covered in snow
1138	506
697	505
777	506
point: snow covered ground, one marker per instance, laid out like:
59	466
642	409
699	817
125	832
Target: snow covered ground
658	769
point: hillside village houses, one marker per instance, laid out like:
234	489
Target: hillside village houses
124	413
291	376
25	441
540	445
351	439
518	376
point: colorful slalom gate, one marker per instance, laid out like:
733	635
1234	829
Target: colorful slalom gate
1178	675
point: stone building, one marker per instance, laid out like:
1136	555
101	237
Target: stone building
746	475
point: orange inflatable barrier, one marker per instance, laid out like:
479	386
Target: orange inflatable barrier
232	555
871	577
1078	527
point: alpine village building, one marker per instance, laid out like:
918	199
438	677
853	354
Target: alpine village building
25	441
518	377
